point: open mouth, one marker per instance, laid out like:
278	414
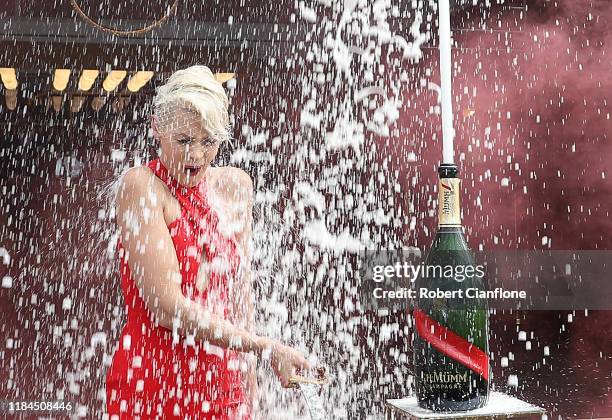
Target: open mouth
192	170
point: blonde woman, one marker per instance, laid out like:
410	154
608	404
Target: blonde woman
184	255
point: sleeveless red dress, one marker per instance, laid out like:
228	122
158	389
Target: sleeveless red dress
157	374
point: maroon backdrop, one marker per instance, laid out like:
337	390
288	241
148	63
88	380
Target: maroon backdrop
539	118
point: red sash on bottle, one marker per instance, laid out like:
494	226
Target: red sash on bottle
451	344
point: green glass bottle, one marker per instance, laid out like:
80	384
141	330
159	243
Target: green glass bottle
451	330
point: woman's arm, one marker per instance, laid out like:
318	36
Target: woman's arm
152	259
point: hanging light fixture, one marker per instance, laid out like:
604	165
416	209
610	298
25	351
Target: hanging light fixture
57	101
10	97
9	77
60	79
76	103
113	79
223	77
87	79
97	103
138	80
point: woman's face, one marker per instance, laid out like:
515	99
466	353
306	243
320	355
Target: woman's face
187	150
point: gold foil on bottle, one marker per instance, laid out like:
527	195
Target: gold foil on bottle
449	210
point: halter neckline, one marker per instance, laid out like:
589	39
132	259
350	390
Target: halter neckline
162	171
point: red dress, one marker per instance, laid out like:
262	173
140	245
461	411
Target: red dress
157	374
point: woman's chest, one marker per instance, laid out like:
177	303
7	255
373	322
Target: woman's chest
204	256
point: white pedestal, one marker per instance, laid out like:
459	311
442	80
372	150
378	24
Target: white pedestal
499	406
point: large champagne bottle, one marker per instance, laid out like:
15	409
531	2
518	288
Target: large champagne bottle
451	334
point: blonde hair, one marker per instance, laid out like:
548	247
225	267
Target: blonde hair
195	89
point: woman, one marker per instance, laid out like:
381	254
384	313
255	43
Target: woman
185	228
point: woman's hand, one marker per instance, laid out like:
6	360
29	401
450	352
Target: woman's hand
286	361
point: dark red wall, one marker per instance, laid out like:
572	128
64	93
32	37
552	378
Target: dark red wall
558	187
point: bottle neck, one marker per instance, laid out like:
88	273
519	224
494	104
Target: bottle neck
449	209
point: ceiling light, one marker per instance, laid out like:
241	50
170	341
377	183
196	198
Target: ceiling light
138	80
60	79
9	77
223	77
113	79
87	79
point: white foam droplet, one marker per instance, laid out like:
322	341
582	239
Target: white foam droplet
7	282
66	303
127	342
513	380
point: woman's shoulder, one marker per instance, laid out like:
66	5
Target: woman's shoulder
229	179
137	174
137	178
136	182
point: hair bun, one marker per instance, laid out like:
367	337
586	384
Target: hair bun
197	87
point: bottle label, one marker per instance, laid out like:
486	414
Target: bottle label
451	345
449	211
446	380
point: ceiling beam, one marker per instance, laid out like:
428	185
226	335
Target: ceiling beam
33	44
181	33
